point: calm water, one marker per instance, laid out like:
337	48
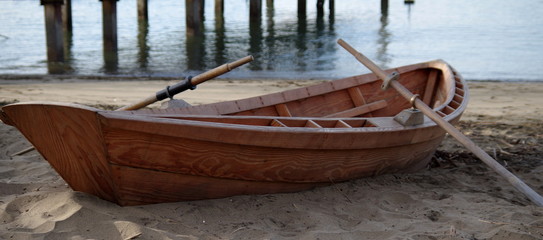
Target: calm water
484	39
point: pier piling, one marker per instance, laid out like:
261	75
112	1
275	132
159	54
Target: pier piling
143	10
255	10
53	32
194	12
59	27
219	12
320	8
109	28
109	25
67	16
302	7
384	7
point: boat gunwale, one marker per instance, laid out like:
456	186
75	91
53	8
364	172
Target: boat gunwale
267	100
268	128
172	118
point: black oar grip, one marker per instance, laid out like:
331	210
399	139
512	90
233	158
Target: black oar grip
171	91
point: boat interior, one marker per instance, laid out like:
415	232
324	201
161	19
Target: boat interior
356	102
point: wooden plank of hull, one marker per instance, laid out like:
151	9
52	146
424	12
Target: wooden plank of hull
69	138
257	163
138	186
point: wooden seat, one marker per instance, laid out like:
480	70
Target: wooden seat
357	111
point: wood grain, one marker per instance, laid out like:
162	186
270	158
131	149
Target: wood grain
360	110
281	142
338	157
430	87
144	186
69	138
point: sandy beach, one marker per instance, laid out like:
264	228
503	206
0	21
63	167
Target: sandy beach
456	197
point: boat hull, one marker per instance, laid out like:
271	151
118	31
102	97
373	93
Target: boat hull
242	147
137	185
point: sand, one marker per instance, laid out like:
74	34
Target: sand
456	197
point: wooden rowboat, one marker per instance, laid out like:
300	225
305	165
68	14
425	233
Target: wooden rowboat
282	142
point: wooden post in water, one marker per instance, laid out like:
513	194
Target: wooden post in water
202	12
255	31
194	17
143	10
109	34
270	12
109	28
320	8
143	32
220	43
384	7
302	9
332	13
219	13
53	30
255	10
67	16
320	16
68	30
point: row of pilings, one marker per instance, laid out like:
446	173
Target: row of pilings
58	24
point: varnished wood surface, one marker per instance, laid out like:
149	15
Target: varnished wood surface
5	119
328	98
360	110
234	161
160	187
70	139
296	135
280	142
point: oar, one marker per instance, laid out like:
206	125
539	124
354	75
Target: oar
514	180
189	83
170	91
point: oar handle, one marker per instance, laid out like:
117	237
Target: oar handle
189	83
468	143
227	67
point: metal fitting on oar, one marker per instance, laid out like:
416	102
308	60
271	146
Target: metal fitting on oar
171	91
391	77
411	116
413	99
